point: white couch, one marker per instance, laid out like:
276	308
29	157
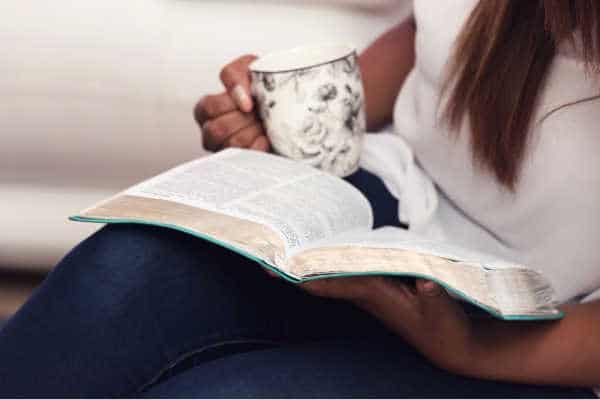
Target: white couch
97	95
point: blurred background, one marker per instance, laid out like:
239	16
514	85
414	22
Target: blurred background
97	95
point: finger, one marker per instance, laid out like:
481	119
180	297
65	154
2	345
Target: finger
213	106
261	143
429	288
236	78
216	131
351	288
272	274
244	137
438	308
320	287
403	287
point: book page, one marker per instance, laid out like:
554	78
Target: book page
302	204
502	286
398	238
243	236
463	278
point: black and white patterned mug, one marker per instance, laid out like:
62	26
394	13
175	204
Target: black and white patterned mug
311	101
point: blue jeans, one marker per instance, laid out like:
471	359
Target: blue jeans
149	312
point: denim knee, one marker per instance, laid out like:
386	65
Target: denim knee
121	260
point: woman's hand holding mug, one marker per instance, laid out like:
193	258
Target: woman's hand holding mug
228	119
308	106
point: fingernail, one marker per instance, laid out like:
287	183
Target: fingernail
242	98
431	288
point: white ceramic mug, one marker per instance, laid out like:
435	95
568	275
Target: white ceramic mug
311	101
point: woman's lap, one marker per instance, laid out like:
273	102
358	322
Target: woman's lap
136	305
338	368
133	300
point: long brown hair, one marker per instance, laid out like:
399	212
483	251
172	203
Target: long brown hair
501	59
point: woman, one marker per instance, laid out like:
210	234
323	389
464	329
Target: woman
499	102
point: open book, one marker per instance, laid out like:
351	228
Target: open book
305	224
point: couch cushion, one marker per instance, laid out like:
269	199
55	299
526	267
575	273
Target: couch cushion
89	107
36	232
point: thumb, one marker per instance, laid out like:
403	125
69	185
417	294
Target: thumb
435	300
236	78
440	309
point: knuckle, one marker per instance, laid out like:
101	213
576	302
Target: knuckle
239	65
220	129
237	141
210	127
264	142
199	110
208	106
215	105
207	142
226	73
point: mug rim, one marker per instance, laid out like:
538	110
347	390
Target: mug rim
349	51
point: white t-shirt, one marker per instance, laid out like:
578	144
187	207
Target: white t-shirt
552	221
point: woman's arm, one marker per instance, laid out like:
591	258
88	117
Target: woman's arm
562	353
565	352
384	66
